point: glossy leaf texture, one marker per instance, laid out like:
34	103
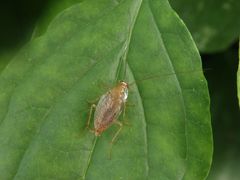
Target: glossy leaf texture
45	90
213	24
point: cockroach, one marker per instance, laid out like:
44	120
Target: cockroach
108	109
110	106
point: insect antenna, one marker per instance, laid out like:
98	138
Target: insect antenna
168	74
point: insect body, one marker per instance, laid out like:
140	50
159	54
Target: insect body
110	106
108	109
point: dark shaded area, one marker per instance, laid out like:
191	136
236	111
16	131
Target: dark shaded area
17	20
225	112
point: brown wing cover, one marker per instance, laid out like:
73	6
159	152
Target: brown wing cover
108	109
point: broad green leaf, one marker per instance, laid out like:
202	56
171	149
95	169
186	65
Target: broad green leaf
44	94
225	114
213	24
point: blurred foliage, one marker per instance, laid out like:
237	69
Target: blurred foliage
225	113
213	24
18	20
213	28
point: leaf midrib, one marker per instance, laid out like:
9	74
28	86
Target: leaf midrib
30	70
128	40
34	136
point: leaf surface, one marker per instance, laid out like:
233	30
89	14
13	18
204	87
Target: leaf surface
44	94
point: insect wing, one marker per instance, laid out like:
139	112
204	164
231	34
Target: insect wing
106	111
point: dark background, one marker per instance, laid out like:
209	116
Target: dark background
222	78
18	19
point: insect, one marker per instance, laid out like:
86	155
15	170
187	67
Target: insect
108	109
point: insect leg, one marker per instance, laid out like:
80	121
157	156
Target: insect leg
93	106
115	136
124	121
118	131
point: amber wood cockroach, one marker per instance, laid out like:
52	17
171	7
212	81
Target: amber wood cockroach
108	109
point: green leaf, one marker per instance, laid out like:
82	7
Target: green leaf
214	24
44	94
